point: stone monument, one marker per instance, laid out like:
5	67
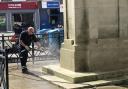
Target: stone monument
96	40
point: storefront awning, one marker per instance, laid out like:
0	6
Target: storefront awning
18	5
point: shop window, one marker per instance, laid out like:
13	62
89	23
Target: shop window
28	19
54	17
17	18
54	11
2	22
22	20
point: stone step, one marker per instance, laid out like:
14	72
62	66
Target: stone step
76	77
64	84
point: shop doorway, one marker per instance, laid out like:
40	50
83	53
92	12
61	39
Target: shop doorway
50	18
54	17
20	21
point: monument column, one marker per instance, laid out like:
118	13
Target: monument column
74	53
93	36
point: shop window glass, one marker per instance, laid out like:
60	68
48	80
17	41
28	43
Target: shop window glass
2	22
54	17
22	20
54	11
17	18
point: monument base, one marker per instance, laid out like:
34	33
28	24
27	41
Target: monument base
74	80
78	77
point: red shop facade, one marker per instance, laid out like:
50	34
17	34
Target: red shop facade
18	13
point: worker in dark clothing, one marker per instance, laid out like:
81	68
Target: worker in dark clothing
25	40
17	29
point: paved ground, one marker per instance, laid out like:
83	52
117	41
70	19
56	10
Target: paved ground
32	81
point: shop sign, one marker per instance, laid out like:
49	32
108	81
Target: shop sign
50	4
18	5
53	5
18	0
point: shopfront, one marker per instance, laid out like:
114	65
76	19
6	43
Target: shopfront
50	15
18	13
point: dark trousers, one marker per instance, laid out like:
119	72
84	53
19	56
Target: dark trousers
23	57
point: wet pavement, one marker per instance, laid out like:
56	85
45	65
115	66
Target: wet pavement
18	80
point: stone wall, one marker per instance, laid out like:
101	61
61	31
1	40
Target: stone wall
97	35
109	51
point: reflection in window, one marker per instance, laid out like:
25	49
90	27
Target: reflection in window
23	19
2	22
54	17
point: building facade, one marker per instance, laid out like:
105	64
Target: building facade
20	13
37	13
50	14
